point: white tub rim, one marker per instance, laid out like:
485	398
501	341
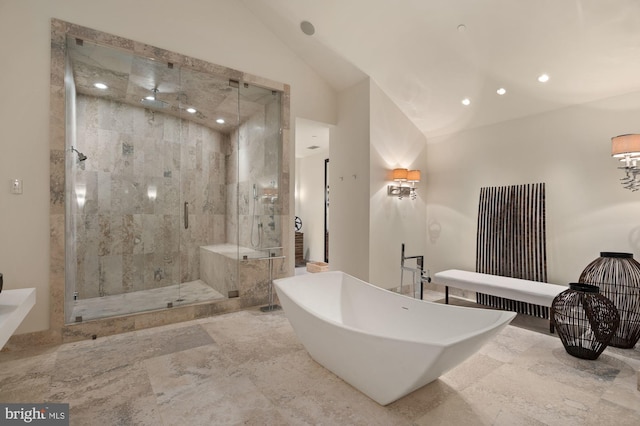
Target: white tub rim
444	343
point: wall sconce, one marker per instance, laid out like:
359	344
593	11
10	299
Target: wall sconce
627	149
400	176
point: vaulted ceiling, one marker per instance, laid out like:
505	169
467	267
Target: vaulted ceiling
429	55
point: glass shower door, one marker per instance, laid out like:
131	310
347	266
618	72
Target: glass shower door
208	106
123	212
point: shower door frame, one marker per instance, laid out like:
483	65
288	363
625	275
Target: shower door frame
58	330
149	195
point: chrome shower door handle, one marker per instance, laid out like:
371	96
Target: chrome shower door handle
186	215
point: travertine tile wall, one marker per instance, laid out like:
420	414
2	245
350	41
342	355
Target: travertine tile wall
141	168
256	160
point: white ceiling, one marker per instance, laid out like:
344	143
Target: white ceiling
415	53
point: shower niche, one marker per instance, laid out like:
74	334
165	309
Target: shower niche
175	181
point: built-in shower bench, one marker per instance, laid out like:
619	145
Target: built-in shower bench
533	292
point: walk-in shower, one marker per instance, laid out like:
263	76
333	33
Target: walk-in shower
170	173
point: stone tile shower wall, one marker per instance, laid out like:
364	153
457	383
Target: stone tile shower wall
256	156
141	167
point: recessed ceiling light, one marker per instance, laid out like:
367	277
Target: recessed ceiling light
191	110
466	102
100	86
543	78
501	91
313	147
220	121
462	28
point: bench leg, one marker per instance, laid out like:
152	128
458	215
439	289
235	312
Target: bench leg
551	326
446	294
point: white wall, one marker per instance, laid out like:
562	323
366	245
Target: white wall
395	142
310	202
219	31
367	227
349	184
587	210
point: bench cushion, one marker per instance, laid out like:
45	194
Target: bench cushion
535	292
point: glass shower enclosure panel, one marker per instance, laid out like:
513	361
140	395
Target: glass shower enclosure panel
258	156
123	213
209	103
149	155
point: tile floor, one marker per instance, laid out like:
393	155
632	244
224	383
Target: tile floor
247	367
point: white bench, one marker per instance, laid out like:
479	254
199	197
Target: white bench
534	292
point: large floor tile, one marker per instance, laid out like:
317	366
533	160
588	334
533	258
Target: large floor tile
249	368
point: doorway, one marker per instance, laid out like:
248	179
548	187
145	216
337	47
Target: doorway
312	197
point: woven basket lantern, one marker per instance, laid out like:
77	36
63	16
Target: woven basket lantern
585	320
618	277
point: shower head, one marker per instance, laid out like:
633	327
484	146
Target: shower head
81	156
153	101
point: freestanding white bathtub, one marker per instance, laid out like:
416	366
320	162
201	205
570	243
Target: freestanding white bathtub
382	343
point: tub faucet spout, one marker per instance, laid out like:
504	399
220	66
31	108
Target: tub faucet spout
419	269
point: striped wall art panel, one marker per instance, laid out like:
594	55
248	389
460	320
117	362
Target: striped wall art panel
511	240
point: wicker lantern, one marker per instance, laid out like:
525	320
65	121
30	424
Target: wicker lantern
584	319
618	277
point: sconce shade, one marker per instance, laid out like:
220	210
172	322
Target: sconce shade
625	145
399	190
413	176
400	174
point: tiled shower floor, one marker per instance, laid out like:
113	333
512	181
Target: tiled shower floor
145	300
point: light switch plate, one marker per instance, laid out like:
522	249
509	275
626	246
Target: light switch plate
16	186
